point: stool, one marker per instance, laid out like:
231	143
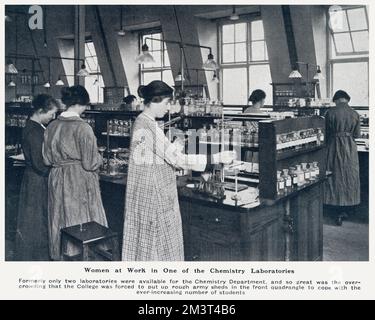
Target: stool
88	236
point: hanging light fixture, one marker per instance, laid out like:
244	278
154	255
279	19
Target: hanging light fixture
11	83
145	56
234	16
10	68
121	32
48	84
45	27
179	77
318	76
295	74
215	78
59	82
210	63
83	71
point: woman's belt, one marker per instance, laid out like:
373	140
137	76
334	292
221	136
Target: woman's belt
66	163
343	134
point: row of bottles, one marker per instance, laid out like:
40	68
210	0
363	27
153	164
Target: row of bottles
296	177
243	135
301	139
202	107
119	127
16	120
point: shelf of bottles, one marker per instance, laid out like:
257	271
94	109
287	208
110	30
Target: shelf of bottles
15	120
119	128
202	107
286	95
291	155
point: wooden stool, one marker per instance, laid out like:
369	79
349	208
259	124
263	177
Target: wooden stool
88	236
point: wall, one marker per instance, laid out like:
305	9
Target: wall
116	54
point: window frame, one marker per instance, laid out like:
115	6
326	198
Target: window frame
332	33
163	46
351	57
248	63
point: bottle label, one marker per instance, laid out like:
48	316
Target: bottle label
295	179
281	185
288	182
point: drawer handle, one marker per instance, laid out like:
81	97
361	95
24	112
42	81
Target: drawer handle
217	220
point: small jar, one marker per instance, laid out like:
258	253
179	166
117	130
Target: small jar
288	180
280	184
316	170
306	172
294	176
300	175
110	127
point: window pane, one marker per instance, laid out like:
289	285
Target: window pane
157	58
228	33
338	21
353	78
357	19
167	63
151	76
235	86
240	32
266	50
228	53
168	77
257	51
156	45
94	86
91	64
240	52
257	32
260	78
343	42
360	40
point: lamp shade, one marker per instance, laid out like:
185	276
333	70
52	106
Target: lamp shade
210	63
10	68
59	82
179	77
121	33
234	16
145	56
318	75
47	85
83	72
295	74
11	84
215	79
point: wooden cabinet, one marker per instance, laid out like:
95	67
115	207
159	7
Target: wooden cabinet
307	215
265	233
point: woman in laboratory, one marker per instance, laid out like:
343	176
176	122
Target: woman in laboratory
343	187
73	186
152	226
32	222
257	99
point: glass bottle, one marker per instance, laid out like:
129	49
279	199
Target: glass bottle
316	169
110	127
280	184
288	180
306	172
300	176
294	176
312	171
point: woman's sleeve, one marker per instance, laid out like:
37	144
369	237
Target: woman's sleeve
90	157
174	156
36	153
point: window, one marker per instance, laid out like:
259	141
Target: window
161	69
349	53
349	31
244	58
94	83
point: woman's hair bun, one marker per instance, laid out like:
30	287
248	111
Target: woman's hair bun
75	95
141	91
